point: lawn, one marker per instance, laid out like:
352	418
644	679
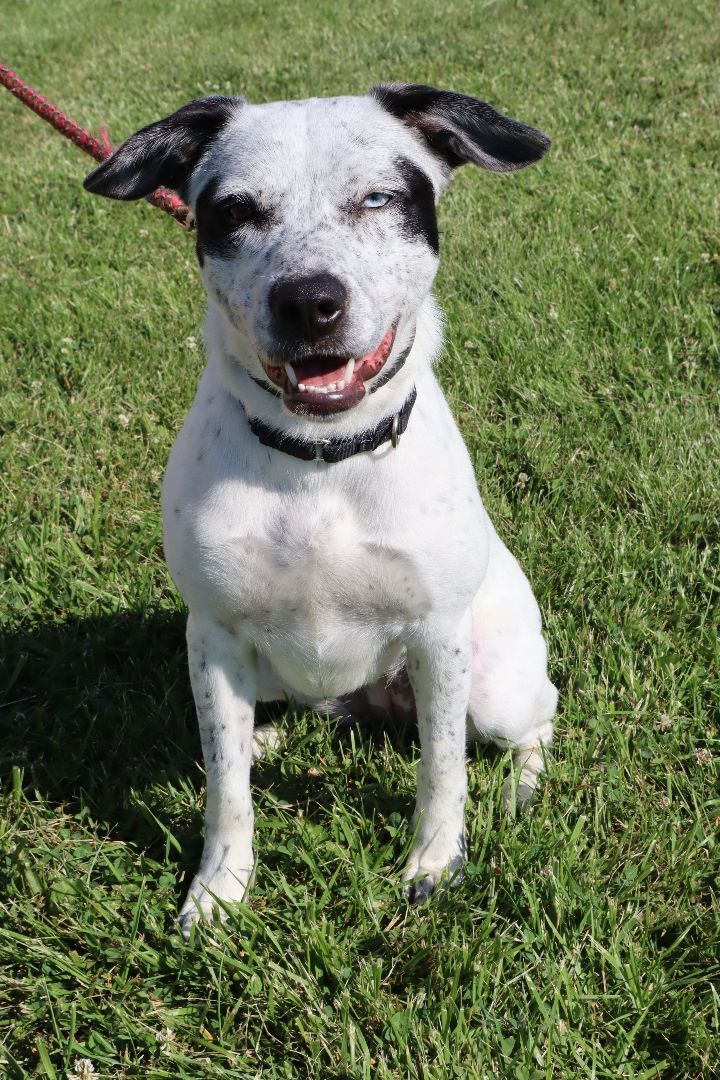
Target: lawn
582	364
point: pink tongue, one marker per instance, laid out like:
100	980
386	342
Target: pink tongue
322	378
365	367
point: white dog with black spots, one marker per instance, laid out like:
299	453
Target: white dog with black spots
322	519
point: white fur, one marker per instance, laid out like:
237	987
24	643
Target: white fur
310	580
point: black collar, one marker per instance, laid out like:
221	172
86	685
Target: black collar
332	450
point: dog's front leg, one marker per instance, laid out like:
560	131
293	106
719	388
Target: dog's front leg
224	677
439	668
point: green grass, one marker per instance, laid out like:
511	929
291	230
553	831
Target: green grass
582	364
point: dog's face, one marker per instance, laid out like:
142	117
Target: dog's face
316	228
317	236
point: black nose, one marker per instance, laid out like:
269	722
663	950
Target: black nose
308	308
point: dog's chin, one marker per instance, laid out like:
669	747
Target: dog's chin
322	385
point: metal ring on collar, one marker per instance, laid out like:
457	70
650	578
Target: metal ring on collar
395	434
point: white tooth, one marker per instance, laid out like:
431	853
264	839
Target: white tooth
331	386
301	386
349	369
322	389
291	375
340	385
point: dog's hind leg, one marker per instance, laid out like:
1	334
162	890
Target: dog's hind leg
512	701
265	737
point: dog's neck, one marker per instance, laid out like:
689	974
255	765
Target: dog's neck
227	349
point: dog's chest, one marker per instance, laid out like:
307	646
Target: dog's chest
315	564
307	581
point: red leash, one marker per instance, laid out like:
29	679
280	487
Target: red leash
87	142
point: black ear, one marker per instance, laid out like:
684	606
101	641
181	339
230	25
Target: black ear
462	129
164	153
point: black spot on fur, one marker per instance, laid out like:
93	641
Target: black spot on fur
215	229
417	206
218	231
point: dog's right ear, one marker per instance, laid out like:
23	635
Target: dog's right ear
164	153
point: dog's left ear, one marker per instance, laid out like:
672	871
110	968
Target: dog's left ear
462	129
164	153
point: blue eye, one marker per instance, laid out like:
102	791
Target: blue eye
376	199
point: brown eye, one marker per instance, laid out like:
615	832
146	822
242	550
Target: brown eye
241	211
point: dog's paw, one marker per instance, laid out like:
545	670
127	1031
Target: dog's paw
520	789
265	737
518	796
422	881
209	892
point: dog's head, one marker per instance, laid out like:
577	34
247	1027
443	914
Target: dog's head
316	227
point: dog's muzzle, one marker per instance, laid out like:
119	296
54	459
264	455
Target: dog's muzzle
319	385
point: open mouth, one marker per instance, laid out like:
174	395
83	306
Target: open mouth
329	384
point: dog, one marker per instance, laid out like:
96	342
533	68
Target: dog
321	515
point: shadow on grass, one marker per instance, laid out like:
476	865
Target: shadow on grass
93	707
96	708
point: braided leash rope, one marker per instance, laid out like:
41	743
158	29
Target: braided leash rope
162	198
